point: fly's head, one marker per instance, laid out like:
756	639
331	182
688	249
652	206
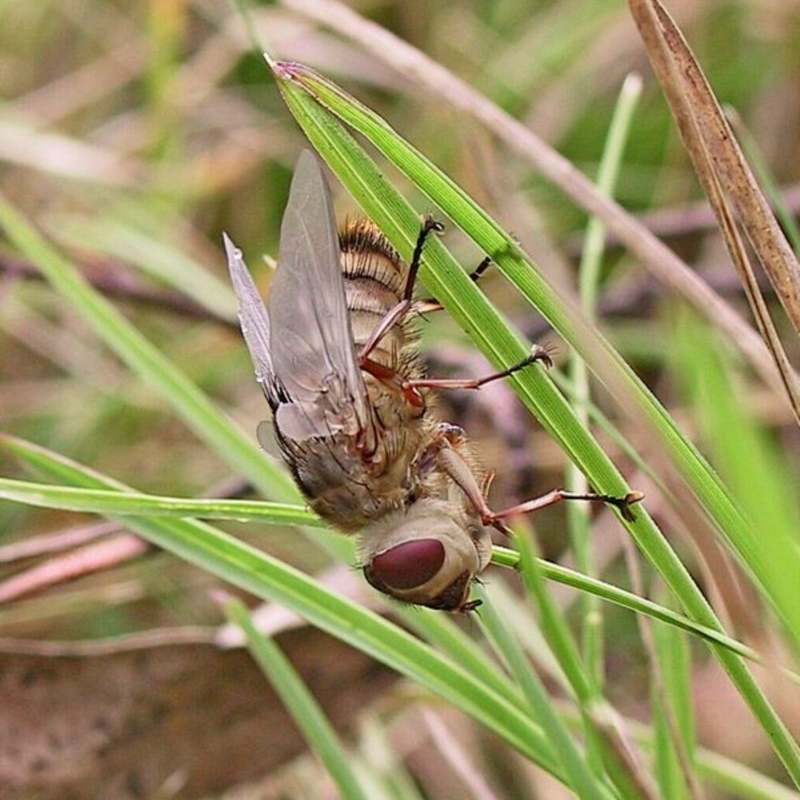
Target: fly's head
427	554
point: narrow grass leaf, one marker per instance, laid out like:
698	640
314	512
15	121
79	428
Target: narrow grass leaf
601	739
585	782
756	472
309	97
589	273
307	714
246	567
98	501
436	627
727	179
194	407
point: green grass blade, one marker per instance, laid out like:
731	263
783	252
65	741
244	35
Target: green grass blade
589	273
194	407
98	501
674	721
246	567
584	782
757	475
313	100
435	627
582	678
307	714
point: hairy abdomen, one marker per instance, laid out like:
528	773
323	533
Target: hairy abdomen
374	281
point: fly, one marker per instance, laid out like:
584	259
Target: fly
336	353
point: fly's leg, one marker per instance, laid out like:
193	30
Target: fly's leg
425	306
558	495
429	225
406	303
391	378
538	353
410	389
450	460
454	465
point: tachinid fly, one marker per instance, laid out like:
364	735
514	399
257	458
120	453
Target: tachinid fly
336	354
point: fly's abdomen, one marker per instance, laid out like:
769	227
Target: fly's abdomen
374	281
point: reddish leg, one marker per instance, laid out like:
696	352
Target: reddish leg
410	389
538	353
388	376
455	466
558	495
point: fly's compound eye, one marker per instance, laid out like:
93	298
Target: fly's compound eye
406	566
415	572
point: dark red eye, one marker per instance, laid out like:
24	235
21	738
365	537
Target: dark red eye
407	565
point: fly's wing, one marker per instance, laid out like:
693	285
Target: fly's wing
313	353
254	322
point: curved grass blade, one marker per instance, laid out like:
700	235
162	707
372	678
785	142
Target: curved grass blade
268	578
307	714
314	101
114	502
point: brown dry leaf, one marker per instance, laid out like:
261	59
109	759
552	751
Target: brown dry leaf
732	189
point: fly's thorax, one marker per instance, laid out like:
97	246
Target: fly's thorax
433	477
427	553
343	487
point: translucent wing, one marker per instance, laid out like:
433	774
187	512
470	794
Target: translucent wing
313	351
302	348
253	320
